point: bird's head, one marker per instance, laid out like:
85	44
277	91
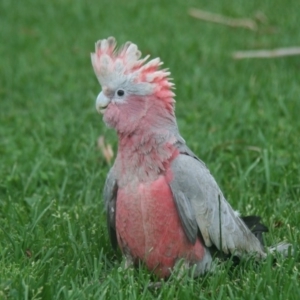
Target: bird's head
134	92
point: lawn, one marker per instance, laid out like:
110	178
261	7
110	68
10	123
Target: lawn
240	116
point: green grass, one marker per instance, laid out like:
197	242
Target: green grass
240	117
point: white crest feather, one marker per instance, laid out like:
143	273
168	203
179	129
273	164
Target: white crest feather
113	67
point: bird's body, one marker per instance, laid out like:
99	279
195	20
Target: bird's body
162	203
147	222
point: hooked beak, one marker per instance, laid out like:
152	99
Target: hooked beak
101	103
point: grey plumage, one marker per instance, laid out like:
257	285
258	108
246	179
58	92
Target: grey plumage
197	195
110	198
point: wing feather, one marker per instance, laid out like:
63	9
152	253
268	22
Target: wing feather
195	190
110	198
187	216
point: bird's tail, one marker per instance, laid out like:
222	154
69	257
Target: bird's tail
257	228
283	248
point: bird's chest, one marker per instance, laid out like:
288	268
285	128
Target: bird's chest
143	211
147	223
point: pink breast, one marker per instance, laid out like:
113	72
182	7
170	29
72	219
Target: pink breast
148	226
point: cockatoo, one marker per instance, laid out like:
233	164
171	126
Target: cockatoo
163	205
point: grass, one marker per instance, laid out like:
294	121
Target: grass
240	117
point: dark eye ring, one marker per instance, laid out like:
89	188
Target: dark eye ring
120	93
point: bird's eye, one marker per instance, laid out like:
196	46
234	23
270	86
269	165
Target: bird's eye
120	93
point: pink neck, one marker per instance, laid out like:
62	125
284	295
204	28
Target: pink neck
144	156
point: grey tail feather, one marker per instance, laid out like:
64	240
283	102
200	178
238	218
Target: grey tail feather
257	228
255	225
283	248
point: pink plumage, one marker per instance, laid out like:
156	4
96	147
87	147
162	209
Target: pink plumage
148	224
162	203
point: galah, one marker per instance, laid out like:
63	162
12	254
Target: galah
163	205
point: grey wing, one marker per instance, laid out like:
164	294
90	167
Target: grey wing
201	204
110	198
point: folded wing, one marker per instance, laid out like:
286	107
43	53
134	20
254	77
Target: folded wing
110	198
201	205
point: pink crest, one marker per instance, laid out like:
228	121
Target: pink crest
112	65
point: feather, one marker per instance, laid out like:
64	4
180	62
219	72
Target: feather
113	66
193	179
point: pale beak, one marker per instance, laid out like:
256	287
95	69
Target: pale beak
101	103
